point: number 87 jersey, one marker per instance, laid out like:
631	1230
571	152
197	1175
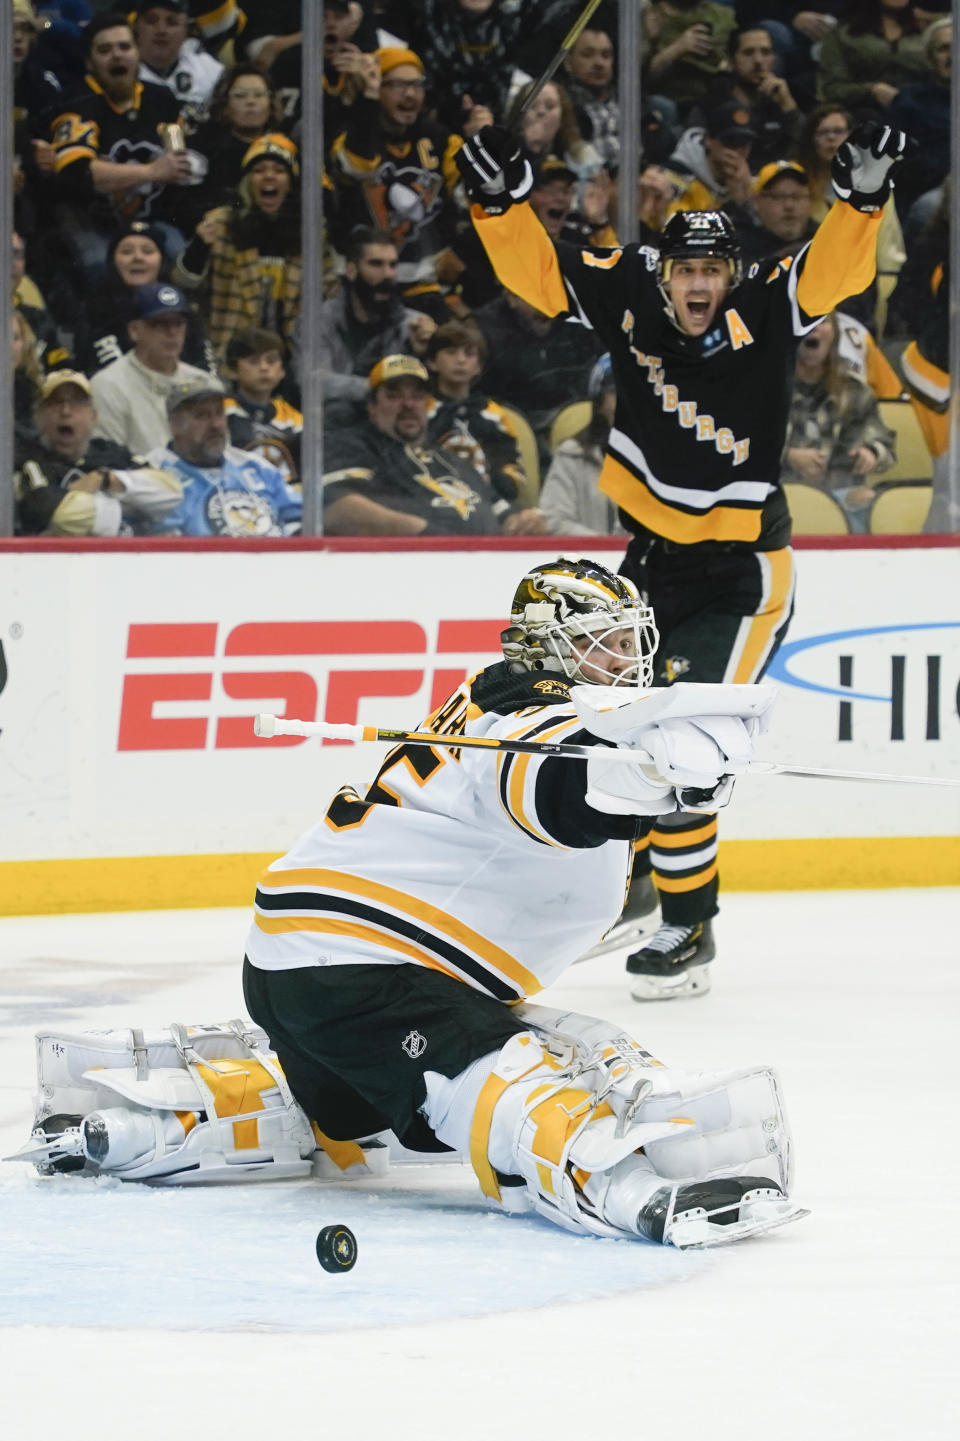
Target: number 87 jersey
694	451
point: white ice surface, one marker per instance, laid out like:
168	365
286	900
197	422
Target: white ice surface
126	1311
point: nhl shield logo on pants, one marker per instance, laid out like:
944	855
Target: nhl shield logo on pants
414	1044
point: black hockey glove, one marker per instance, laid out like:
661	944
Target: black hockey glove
863	166
496	174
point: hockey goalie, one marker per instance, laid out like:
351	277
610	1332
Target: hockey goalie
394	950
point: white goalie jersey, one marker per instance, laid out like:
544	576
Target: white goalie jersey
487	866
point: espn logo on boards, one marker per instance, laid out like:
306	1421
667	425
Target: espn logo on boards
291	692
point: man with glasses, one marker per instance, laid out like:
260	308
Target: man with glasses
395	170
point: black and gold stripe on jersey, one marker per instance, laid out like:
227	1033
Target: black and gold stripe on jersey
336	903
514	774
545	798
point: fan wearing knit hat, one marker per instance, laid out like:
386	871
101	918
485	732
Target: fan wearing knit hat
248	260
394	169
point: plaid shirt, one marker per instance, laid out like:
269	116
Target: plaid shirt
245	288
817	423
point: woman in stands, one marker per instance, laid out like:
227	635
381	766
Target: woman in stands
243	107
824	131
135	258
247	261
836	440
550	127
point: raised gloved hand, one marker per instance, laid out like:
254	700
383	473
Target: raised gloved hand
620	789
693	767
695	755
862	171
496	173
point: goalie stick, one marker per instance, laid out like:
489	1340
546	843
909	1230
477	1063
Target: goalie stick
267	726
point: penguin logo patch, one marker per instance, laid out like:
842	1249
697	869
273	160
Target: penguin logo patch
674	667
414	1044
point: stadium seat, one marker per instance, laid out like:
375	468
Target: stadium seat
900	510
913	457
814	512
570	421
527	441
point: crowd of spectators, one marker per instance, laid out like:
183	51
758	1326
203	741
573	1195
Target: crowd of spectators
157	262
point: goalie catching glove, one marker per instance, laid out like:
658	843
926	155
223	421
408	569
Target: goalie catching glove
698	738
496	173
862	171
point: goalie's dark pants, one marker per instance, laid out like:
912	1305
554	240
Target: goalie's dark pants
354	1041
722	611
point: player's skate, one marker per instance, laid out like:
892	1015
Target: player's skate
642	901
716	1212
674	962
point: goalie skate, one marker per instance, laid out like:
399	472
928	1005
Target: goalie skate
717	1212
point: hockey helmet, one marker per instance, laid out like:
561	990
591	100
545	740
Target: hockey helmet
570	615
692	233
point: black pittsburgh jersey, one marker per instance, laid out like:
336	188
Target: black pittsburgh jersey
694	451
422	480
88	126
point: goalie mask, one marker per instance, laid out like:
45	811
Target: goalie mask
576	617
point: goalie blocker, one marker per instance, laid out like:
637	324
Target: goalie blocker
553	1121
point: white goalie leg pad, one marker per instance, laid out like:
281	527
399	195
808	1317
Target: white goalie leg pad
188	1104
739	1125
567	1108
524	1113
739	1119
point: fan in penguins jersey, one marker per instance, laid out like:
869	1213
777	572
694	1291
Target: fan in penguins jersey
394	948
703	359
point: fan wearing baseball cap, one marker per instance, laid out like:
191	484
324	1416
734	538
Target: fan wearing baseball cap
385	478
68	481
131	392
715	160
782	202
226	491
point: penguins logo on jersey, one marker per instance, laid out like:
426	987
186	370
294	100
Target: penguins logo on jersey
674	667
240	512
137	200
404	198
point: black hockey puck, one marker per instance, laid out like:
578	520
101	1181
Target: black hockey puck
337	1248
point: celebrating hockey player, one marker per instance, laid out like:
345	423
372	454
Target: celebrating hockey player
394	948
702	356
